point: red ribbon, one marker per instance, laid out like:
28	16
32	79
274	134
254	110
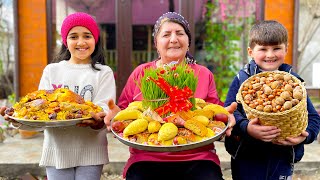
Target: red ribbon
178	98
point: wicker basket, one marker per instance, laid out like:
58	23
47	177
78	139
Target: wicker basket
291	122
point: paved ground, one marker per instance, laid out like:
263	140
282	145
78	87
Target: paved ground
20	156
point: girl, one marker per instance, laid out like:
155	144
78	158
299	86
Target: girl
78	152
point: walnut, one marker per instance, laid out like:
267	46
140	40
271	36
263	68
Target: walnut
297	95
280	101
267	90
278	77
295	102
286	95
248	97
275	84
288	87
267	108
287	77
287	105
257	86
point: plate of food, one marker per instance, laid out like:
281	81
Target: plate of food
169	118
145	130
50	123
52	108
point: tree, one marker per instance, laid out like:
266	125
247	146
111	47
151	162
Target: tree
222	38
309	28
6	42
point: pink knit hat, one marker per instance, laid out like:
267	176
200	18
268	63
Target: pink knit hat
79	19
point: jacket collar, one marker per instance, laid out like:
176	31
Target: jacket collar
252	68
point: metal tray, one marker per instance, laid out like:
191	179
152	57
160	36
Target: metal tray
172	148
46	123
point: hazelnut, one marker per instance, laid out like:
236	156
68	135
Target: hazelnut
259	108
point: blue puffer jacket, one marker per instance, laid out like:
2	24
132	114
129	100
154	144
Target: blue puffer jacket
242	145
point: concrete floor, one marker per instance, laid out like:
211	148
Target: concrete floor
19	156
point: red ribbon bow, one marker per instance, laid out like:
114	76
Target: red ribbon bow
178	98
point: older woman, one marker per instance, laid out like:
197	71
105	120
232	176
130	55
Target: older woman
172	39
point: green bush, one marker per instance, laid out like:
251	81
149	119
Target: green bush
222	46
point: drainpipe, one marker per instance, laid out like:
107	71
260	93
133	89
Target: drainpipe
295	35
16	75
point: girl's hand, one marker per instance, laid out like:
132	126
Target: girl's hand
4	111
231	109
113	110
291	141
95	123
263	133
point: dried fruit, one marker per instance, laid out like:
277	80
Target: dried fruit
196	127
216	109
221	117
127	114
204	120
154	126
135	127
167	131
118	126
179	140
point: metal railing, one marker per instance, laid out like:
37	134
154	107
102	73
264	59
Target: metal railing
138	57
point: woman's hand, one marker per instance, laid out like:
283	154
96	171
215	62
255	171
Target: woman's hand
291	141
113	110
231	108
263	133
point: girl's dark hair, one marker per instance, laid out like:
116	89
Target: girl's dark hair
97	57
268	32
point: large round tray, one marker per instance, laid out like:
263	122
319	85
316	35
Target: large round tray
173	148
46	123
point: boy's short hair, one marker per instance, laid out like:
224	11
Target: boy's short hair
268	32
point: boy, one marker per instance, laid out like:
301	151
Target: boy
254	156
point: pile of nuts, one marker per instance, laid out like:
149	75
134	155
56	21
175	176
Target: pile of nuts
272	92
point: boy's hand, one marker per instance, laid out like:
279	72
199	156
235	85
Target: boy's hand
291	141
231	108
113	110
263	133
